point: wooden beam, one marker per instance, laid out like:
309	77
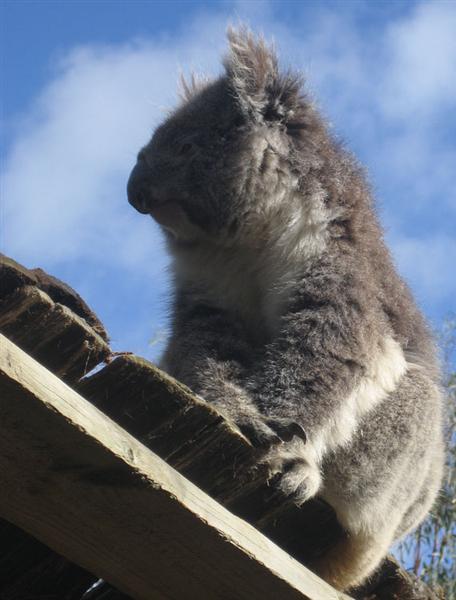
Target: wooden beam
51	332
82	485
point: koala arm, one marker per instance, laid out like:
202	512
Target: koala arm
204	339
209	351
325	347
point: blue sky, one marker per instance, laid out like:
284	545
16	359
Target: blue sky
84	84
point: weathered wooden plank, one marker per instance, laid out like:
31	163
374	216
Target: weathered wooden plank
51	333
14	275
193	438
169	419
89	490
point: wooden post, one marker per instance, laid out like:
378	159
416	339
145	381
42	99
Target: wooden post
82	485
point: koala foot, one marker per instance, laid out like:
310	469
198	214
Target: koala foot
265	433
293	472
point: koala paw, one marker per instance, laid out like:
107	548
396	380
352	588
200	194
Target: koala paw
293	472
265	433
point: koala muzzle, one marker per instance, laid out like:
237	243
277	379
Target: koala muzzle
139	188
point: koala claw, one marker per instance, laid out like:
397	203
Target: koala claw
287	429
270	432
259	434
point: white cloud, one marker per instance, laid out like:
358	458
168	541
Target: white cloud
421	79
64	178
62	182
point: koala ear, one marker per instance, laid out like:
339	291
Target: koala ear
252	69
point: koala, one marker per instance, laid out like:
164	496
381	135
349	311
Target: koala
288	314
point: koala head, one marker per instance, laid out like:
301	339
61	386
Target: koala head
231	155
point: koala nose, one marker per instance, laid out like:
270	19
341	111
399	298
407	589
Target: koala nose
138	191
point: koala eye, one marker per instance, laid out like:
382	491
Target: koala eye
185	148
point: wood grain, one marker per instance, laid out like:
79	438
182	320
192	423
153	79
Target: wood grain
89	490
51	333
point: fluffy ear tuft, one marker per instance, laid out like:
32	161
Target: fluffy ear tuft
252	69
190	87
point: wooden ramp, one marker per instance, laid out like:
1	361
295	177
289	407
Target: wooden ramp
89	491
84	486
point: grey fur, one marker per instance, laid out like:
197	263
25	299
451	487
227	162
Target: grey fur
288	313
